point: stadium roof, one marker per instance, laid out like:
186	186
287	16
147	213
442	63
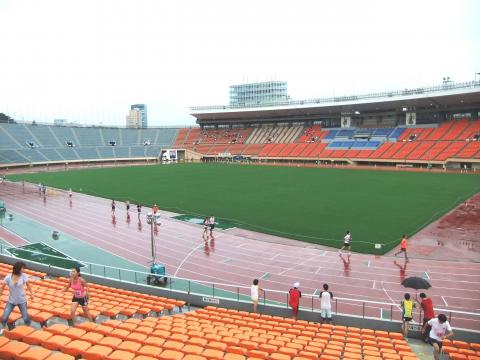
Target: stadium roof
449	96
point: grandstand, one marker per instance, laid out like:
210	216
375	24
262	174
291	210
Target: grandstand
365	129
43	144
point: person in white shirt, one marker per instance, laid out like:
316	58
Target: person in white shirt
440	330
346	243
254	290
326	304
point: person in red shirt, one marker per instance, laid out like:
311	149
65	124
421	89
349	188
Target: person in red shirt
428	314
403	247
155	208
294	299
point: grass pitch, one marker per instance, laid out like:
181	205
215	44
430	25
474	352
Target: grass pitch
308	204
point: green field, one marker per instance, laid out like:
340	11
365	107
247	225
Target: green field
309	204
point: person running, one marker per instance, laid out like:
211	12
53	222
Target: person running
407	313
206	226
346	243
440	330
403	247
254	290
294	299
80	293
428	313
155	208
127	205
139	210
16	282
326	304
70	193
211	222
113	206
40	189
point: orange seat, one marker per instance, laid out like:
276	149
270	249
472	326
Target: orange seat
149	350
56	342
120	355
230	356
130	346
192	349
279	356
74	333
57	328
313	349
216	345
455	356
120	333
12	349
75	347
236	350
97	352
351	355
257	354
391	356
171	355
36	353
172	345
19	332
37	337
212	354
110	341
92	337
287	351
461	344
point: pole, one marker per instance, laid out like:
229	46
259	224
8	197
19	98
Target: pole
152	241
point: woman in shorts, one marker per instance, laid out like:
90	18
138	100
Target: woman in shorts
113	206
211	221
206	226
407	313
440	330
346	243
80	293
127	205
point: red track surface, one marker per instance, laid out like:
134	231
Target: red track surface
236	260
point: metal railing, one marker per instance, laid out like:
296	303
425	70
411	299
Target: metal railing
367	309
337	99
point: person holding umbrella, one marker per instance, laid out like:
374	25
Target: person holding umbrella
428	313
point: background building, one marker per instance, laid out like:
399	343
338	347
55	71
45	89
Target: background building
134	119
258	93
143	111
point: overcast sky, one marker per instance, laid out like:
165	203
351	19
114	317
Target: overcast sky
88	60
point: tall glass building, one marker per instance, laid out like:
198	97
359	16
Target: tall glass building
143	111
258	93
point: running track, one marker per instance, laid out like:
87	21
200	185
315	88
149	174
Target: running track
236	260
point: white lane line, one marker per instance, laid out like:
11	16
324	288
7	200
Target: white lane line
444	300
373	286
186	257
